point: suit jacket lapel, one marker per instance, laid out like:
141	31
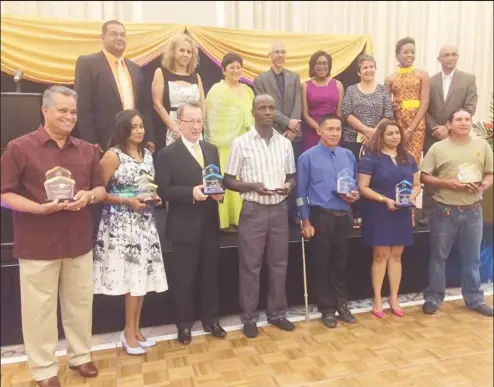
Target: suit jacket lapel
108	73
208	157
133	76
454	80
287	82
191	160
439	83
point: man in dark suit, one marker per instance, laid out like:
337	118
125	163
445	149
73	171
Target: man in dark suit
450	91
107	83
192	224
284	86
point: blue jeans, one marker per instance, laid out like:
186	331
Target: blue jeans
463	226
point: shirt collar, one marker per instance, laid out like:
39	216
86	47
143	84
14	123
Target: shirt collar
188	143
44	138
450	76
282	72
254	133
328	150
112	58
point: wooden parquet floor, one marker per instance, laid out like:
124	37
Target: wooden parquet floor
453	348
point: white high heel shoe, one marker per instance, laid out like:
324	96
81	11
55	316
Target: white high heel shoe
146	344
131	350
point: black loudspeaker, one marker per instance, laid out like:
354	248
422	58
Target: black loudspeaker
21	114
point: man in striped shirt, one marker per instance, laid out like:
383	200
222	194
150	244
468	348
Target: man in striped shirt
263	161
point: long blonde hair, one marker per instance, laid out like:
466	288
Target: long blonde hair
168	59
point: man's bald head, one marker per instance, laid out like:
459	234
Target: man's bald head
263	108
262	99
277	54
448	57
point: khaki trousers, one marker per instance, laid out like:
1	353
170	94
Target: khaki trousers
41	282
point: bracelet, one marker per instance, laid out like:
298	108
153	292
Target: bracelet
409	130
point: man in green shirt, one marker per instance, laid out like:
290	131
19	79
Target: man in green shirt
460	167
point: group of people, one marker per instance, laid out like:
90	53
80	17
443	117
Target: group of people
280	148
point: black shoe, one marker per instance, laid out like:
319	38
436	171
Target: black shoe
484	309
329	320
215	329
283	324
184	336
430	307
345	315
250	330
424	222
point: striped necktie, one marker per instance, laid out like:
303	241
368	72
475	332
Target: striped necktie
125	88
198	154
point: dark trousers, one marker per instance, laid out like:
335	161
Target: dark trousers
292	206
262	234
191	263
328	252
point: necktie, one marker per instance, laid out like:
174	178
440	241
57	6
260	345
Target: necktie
198	155
125	88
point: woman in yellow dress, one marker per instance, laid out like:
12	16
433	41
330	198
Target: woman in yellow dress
410	93
228	115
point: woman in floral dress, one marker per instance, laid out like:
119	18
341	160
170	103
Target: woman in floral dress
127	254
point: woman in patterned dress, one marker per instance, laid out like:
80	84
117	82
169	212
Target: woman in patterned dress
175	82
127	253
410	92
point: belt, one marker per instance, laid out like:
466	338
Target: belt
338	214
461	208
410	104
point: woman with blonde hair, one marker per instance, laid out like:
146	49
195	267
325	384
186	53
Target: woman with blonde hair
175	82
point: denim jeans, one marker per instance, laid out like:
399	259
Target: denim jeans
463	226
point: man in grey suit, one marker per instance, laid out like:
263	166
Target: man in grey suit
284	86
450	90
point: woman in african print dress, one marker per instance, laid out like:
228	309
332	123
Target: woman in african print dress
410	92
127	254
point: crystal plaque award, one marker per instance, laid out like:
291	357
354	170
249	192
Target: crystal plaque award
403	194
469	173
59	185
146	189
212	180
345	182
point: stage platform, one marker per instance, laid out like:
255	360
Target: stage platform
109	311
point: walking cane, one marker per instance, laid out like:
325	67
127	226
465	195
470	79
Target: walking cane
306	295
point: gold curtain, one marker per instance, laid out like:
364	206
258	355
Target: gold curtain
47	49
253	46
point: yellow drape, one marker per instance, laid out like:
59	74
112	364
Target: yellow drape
253	46
47	49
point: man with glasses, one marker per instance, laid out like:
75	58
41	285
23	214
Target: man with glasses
284	86
107	83
193	225
450	90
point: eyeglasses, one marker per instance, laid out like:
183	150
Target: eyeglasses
200	122
321	64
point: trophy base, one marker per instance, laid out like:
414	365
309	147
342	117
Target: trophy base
151	201
68	200
279	191
405	205
214	192
471	182
341	193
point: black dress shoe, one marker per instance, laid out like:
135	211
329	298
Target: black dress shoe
429	307
215	329
250	330
283	324
484	309
329	320
345	315
184	336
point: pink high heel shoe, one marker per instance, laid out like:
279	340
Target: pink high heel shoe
396	312
379	314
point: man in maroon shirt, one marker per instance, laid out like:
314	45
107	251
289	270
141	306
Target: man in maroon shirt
53	240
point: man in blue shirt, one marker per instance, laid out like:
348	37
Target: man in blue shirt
325	217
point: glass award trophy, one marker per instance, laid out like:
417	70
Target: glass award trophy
146	189
212	180
403	194
275	180
345	182
59	185
469	173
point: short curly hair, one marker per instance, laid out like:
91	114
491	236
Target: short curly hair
313	60
402	42
168	58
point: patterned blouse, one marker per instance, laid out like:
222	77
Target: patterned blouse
367	108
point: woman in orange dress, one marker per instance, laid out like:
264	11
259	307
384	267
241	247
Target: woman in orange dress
410	93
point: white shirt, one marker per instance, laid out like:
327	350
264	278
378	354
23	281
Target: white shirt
447	83
254	161
190	147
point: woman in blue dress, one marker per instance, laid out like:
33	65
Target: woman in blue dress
385	227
